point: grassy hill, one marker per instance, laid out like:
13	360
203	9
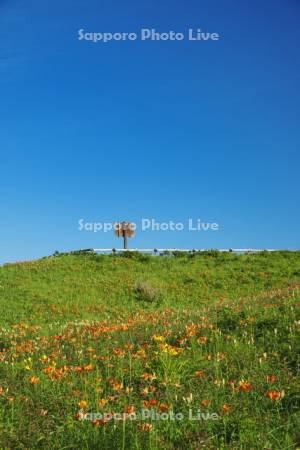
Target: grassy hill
211	337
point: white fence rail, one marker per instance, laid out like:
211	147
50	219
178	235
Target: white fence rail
162	250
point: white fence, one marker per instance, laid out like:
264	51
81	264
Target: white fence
171	250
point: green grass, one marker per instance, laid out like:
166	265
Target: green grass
213	332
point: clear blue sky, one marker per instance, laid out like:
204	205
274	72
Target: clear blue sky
169	130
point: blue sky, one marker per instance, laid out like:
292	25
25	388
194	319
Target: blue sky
164	130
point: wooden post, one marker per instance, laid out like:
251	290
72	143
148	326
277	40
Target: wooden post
125	241
124	230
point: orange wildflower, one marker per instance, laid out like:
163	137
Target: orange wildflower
245	386
144	427
202	339
90	350
226	408
82	404
118	352
128	346
271	378
80	415
48	370
273	395
117	386
145	392
147	376
103	421
199	373
130	410
102	402
205	402
163	407
34	380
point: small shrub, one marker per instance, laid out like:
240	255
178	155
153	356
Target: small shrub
145	292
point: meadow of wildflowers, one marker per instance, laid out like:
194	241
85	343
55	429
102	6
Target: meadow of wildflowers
195	351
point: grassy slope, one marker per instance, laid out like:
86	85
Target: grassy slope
89	282
235	302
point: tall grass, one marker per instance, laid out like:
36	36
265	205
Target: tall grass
195	352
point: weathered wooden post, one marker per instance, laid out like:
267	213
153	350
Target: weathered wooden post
124	230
